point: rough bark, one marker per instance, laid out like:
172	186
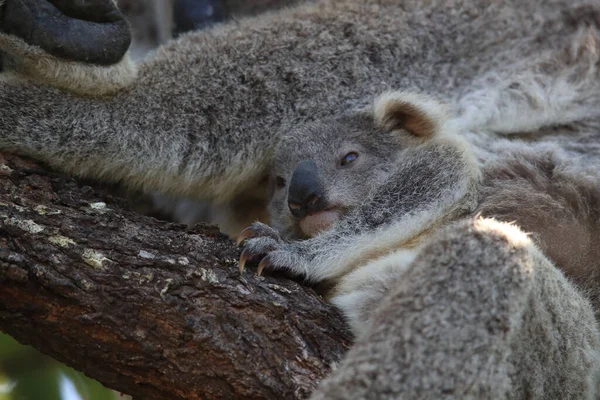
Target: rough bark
150	308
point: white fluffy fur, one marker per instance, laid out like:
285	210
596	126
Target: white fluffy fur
359	292
560	89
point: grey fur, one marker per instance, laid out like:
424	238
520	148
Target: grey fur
331	57
263	94
481	314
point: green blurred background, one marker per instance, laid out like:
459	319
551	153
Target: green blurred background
27	374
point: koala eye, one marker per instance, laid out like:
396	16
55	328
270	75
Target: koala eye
280	181
350	157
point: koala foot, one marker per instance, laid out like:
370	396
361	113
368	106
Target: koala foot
261	240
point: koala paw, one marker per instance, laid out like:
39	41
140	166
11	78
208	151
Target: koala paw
263	241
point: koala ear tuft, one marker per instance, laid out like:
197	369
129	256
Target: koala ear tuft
418	114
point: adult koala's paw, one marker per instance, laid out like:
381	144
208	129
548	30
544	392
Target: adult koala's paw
89	31
264	243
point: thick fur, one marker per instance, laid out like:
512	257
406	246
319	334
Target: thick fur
544	172
558	88
242	119
402	186
540	184
332	56
543	185
480	314
549	194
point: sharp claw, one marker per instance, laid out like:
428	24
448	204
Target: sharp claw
245	234
243	258
264	263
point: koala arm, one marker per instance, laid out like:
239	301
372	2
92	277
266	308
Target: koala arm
432	184
480	313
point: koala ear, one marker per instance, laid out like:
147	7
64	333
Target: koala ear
418	114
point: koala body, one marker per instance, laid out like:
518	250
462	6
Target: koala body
480	314
426	289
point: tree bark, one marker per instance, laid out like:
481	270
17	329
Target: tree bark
153	309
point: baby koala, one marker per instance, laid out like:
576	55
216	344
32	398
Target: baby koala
353	198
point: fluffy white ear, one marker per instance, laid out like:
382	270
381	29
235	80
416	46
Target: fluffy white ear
418	114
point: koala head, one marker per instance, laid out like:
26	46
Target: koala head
324	169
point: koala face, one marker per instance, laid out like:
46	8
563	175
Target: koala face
324	169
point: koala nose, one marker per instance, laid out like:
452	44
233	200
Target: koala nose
306	193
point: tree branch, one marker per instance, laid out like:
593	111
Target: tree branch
150	308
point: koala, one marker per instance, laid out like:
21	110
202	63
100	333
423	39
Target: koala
363	195
357	194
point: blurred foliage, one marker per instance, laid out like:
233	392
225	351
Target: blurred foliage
26	374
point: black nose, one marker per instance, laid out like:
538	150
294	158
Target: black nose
306	193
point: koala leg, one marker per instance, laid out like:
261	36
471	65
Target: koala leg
480	314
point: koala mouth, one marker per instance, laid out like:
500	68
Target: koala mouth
320	221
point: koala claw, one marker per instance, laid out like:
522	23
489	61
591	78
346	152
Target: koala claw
257	231
260	241
244	257
247	255
264	263
245	234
